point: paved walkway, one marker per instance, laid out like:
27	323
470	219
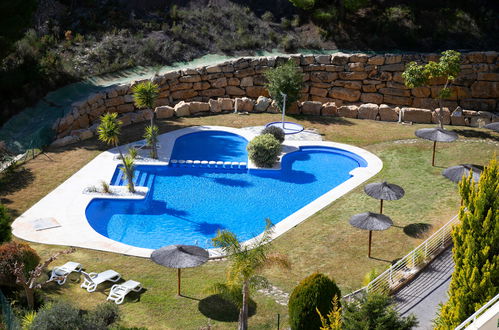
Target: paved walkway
422	296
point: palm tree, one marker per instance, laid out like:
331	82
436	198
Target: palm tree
245	262
151	136
109	132
144	95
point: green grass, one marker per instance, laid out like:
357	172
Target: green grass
325	242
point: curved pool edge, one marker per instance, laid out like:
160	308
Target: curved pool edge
67	202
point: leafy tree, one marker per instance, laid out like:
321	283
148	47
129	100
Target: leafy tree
15	18
286	79
314	293
475	279
332	321
109	132
264	150
13	252
448	67
5	229
374	312
151	135
245	263
144	95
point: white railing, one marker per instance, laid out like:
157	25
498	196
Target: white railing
479	312
407	267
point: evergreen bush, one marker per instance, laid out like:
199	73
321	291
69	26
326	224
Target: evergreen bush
277	132
5	229
263	150
10	253
314	293
59	316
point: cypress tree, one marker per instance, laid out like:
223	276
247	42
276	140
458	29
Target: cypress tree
476	249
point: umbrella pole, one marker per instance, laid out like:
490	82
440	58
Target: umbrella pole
370	237
433	158
381	208
178	282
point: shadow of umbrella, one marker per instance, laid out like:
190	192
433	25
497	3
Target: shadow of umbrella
417	230
436	134
216	307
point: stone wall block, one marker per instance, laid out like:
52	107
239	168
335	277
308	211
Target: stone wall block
485	89
445	116
164	112
348	84
387	113
226	103
256	91
392	59
376	60
233	90
318	91
127	107
184	94
368	111
244	104
339	59
416	115
348	111
371	98
262	104
392	67
353	75
329	109
356	67
345	94
421	92
190	78
182	109
360	58
323	59
311	108
397	100
213	92
202	85
395	91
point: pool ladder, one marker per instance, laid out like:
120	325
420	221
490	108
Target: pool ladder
208	164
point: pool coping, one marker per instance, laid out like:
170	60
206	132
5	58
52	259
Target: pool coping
67	203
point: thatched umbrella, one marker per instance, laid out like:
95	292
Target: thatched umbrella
384	191
371	221
436	134
456	173
493	126
180	256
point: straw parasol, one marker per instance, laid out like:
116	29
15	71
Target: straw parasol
180	256
371	221
456	173
493	126
384	191
436	134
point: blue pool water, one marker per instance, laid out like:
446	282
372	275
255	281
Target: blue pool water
189	205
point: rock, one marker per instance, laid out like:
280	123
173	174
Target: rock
293	109
164	112
376	60
348	111
387	113
485	89
65	141
353	75
311	108
425	103
213	69
457	117
171	75
421	92
488	76
181	86
323	59
329	109
334	68
226	103
369	88
83	121
199	107
213	92
256	91
182	109
476	57
358	67
368	111
479	104
345	94
233	81
244	104
184	94
371	98
129	118
127	107
114	101
202	85
128	98
262	103
323	77
339	59
190	78
233	90
360	58
111	94
445	116
392	67
395	91
219	83
322	92
397	100
82	134
274	108
392	59
247	81
416	115
307	59
215	106
348	84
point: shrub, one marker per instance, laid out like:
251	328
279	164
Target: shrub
314	293
5	230
263	150
102	316
287	79
276	132
59	316
12	252
267	16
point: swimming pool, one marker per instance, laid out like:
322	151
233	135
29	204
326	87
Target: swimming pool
188	205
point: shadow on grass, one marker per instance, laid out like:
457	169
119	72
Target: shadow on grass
323	120
417	230
470	133
220	309
15	180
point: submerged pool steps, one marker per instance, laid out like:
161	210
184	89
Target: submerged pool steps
208	164
141	178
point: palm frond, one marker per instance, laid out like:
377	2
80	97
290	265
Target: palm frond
109	129
145	94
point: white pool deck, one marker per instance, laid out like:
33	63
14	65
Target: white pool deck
66	204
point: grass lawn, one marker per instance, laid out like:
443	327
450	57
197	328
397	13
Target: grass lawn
325	242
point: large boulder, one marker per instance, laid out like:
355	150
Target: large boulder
368	111
244	104
197	107
416	115
182	109
348	111
65	141
387	113
345	94
226	103
164	112
329	109
262	103
215	105
311	108
445	116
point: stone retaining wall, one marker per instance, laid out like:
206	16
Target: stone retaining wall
350	85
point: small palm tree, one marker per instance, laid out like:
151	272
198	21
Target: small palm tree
151	136
128	168
109	132
245	262
144	96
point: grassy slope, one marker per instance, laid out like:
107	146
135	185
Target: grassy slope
325	242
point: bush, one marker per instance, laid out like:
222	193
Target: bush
104	315
12	252
5	230
264	150
287	79
60	316
276	132
315	291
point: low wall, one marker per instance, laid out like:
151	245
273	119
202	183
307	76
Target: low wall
350	85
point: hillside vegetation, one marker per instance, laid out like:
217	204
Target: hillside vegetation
55	42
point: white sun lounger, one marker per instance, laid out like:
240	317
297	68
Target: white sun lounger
60	274
93	279
119	291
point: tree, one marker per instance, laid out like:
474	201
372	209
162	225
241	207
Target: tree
15	18
245	263
13	252
286	79
5	229
475	279
144	95
448	67
332	321
374	312
151	136
30	282
109	132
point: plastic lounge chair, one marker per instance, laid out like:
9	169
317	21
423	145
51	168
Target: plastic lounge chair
119	291
61	273
93	279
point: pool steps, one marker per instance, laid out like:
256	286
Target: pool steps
208	164
142	178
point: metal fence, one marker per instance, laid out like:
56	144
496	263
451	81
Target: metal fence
478	313
7	318
406	268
